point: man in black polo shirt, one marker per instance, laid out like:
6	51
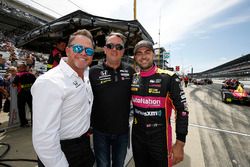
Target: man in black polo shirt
111	107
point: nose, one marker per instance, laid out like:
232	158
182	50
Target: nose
143	55
83	53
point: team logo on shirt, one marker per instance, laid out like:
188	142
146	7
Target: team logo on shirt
135	80
154	91
105	81
149	113
158	81
134	89
104	77
105	72
76	84
125	74
152	81
155	85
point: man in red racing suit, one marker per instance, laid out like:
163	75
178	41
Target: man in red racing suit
155	93
57	53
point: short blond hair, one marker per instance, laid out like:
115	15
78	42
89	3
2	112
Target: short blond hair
82	32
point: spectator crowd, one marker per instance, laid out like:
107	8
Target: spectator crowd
14	62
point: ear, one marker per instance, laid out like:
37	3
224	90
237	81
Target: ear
67	51
105	49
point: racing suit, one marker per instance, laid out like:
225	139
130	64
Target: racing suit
24	80
55	58
154	94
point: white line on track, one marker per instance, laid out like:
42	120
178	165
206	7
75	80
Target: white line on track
220	130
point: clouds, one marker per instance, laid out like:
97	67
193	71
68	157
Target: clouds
179	17
232	21
108	8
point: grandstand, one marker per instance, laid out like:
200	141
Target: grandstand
238	68
17	18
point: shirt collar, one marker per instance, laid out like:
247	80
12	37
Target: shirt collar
68	70
109	68
150	72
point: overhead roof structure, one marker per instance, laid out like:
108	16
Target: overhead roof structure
15	18
42	38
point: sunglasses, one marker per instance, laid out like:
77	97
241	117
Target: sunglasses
79	48
117	46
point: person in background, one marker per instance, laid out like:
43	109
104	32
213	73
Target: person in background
186	80
30	61
155	92
111	82
14	118
56	54
2	90
13	59
62	101
23	81
2	62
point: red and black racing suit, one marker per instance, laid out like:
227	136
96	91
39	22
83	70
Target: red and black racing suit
55	58
154	94
24	80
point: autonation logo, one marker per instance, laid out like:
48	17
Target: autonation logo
146	101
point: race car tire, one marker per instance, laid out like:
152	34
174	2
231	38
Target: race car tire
224	98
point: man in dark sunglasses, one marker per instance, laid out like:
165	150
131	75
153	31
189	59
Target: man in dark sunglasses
62	102
111	82
116	46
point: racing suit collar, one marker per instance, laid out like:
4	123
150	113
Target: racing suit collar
150	72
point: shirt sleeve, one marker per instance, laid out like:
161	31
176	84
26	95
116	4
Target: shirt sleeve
180	104
47	104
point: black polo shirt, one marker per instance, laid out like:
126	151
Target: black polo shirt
111	89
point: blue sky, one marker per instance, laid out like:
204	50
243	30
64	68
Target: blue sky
198	33
217	40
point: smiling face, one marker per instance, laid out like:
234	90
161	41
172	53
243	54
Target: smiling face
114	55
79	61
144	57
